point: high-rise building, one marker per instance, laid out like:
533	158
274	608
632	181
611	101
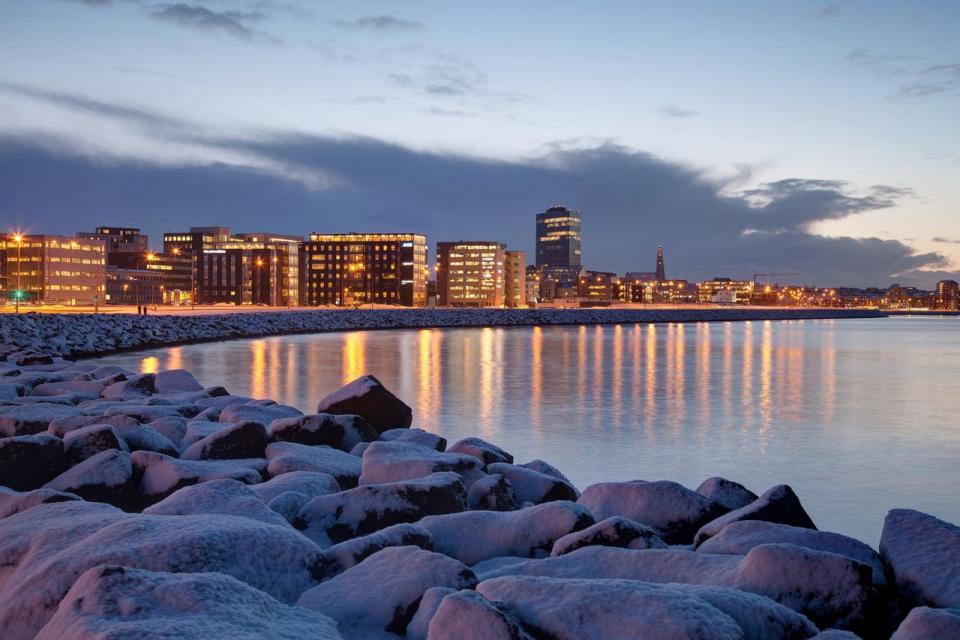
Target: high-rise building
118	240
661	272
356	268
558	238
470	274
53	269
948	295
515	277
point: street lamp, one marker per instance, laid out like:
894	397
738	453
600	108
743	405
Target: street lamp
18	238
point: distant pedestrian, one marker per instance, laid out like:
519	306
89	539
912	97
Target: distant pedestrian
139	310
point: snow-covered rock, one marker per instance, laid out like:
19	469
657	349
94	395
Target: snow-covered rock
778	504
227	497
173	427
924	623
264	414
492	493
547	468
161	475
415	436
384	590
12	502
487	452
26	462
110	601
196	430
174	380
86	442
144	437
672	510
79	388
727	494
235	441
307	483
396	461
467	615
534	486
341	557
27	420
573	609
288	504
343	432
368	508
367	397
924	554
615	531
474	536
285	457
104	477
429	603
133	387
737	538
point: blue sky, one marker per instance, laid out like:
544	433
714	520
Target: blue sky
834	123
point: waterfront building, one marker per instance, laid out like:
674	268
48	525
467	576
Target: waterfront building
118	240
515	279
558	238
134	286
658	275
948	295
51	269
470	274
356	268
598	288
726	291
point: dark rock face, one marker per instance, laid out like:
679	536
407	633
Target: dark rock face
615	531
30	419
533	486
340	431
139	385
104	477
233	442
493	493
159	475
86	442
727	494
778	504
478	448
368	398
27	462
924	554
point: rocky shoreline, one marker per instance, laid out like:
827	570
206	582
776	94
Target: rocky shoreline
82	335
144	505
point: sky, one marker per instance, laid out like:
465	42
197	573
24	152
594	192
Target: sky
819	140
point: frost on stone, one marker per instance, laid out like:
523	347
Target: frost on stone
384	590
308	483
474	536
368	398
925	623
727	494
778	504
429	603
533	486
341	557
924	554
239	440
12	502
467	615
615	531
486	452
492	493
174	380
396	461
226	497
343	432
86	442
161	475
104	477
415	436
285	457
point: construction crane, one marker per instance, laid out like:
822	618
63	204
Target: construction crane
770	275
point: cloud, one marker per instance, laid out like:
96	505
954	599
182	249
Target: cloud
934	80
670	111
234	23
92	3
943	240
880	63
630	200
380	23
916	81
829	11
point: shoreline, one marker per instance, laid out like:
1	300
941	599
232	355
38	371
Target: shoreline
90	335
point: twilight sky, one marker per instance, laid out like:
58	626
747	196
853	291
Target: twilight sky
795	137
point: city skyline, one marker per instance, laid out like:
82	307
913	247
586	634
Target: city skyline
406	119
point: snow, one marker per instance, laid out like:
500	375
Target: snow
174	380
235	441
615	531
924	554
30	419
342	432
492	493
396	461
924	623
777	504
86	442
161	475
144	437
104	477
341	557
227	497
473	536
625	609
26	462
119	602
429	603
382	592
467	615
533	486
727	494
308	483
415	436
285	457
12	502
368	508
486	452
196	430
257	413
367	397
674	511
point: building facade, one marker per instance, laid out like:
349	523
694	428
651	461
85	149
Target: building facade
948	295
134	286
347	269
515	279
118	240
558	238
471	274
725	291
53	269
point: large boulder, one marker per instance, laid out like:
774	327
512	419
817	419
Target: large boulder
34	418
397	461
225	497
384	590
86	442
368	508
135	386
104	477
26	462
176	380
572	609
467	615
173	427
672	510
110	601
924	554
12	502
79	388
415	436
235	441
474	536
533	486
196	430
161	475
924	623
285	457
307	483
343	432
778	504
492	493
340	557
615	531
420	624
728	494
262	413
368	398
46	548
478	448
144	437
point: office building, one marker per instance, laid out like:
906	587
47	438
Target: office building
348	269
725	291
598	288
948	295
558	238
134	286
470	274
515	279
52	269
118	240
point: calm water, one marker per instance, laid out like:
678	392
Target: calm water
857	415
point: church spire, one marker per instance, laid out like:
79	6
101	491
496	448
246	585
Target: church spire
661	273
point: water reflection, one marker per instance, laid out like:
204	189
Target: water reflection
762	402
